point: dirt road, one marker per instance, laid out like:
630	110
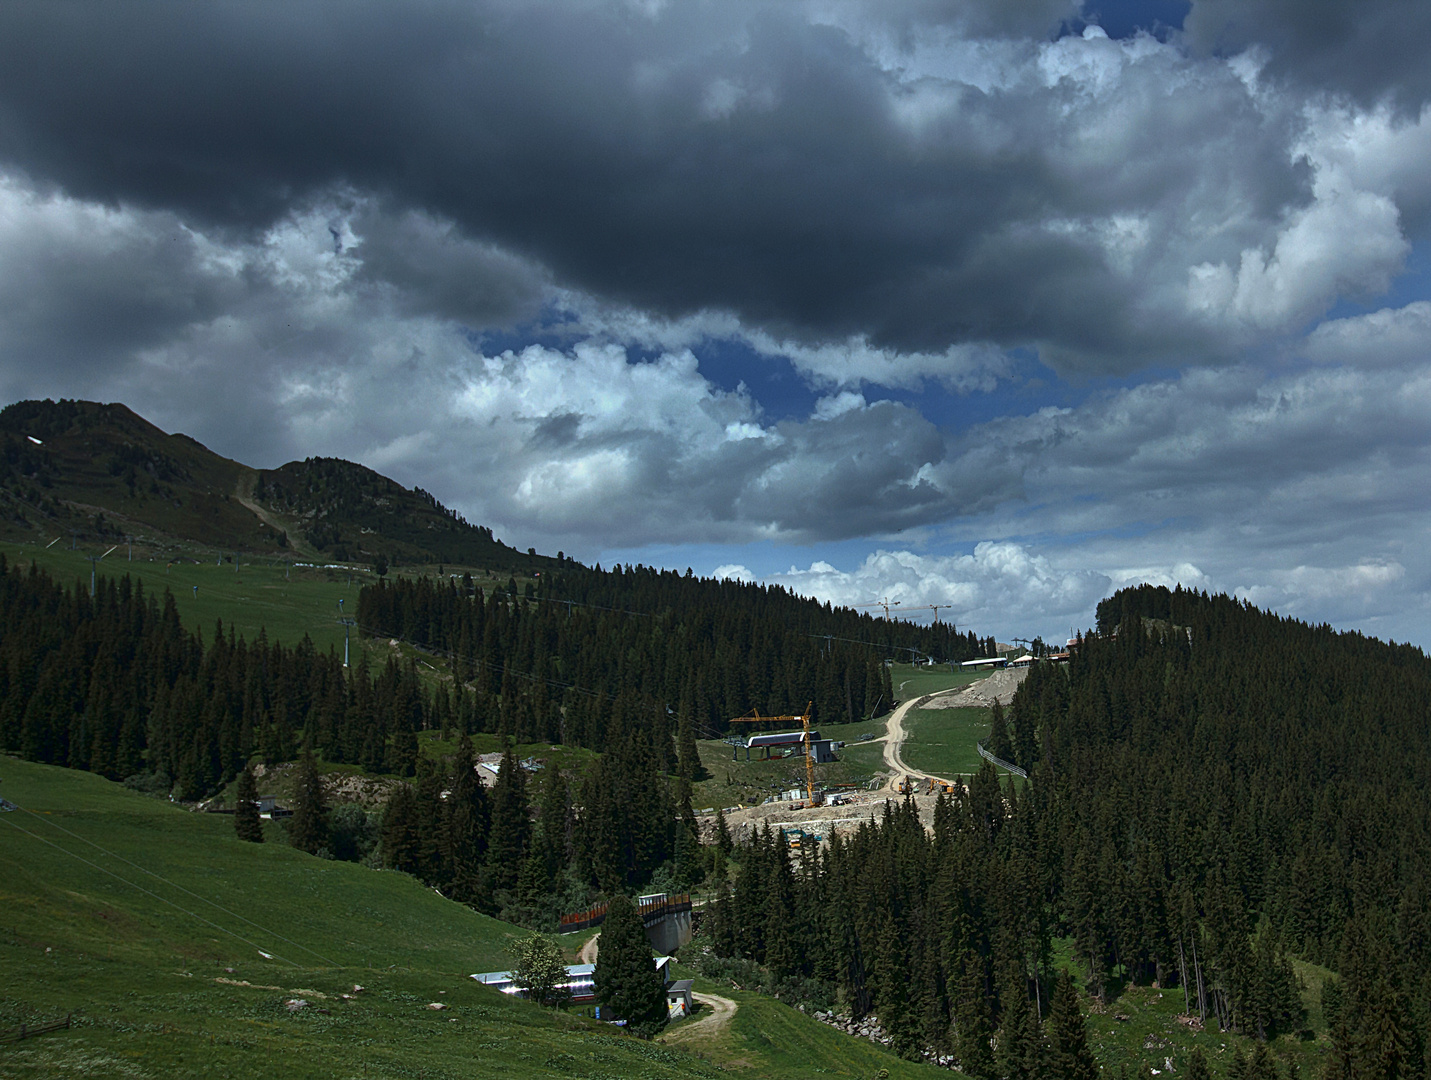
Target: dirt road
869	805
589	950
708	1026
894	740
1000	685
721	1008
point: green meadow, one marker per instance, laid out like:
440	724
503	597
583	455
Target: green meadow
149	925
944	741
285	602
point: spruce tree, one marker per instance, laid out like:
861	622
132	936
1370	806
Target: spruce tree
548	855
972	1029
308	828
688	759
511	825
401	844
247	824
1069	1056
999	744
891	970
1197	1065
724	844
1017	1057
467	821
1263	1066
627	983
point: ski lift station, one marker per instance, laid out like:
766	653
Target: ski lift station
821	750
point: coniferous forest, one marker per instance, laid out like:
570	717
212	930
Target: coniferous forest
1212	790
721	647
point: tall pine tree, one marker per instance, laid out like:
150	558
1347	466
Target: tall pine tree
247	824
627	983
308	828
511	825
1069	1055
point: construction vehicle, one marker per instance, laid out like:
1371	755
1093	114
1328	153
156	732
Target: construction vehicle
755	718
796	838
906	786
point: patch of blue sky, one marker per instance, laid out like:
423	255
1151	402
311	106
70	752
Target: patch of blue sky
1029	387
1412	284
782	391
1124	18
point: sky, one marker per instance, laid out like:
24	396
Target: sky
994	305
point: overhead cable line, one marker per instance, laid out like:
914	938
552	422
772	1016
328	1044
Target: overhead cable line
149	892
174	885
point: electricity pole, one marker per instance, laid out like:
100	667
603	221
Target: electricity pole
347	629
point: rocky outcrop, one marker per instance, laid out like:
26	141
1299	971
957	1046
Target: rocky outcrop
868	1028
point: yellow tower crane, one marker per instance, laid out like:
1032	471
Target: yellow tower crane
804	720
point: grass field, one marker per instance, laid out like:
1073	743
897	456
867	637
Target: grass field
768	1039
943	741
154	941
284	602
1141	1027
912	682
741	781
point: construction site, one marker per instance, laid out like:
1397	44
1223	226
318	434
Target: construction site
813	782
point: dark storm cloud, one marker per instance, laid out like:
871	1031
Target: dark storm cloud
434	270
727	157
910	19
81	287
1371	49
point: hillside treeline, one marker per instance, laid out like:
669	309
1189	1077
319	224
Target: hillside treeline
945	934
720	647
1228	782
114	684
532	859
1212	790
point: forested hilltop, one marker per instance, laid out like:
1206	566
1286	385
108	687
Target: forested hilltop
1212	789
714	648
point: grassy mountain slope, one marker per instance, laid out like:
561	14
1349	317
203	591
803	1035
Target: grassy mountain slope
162	992
102	473
284	602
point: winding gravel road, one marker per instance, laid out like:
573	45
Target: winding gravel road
704	1027
1001	685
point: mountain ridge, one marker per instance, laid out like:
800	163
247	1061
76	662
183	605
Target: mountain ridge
103	473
